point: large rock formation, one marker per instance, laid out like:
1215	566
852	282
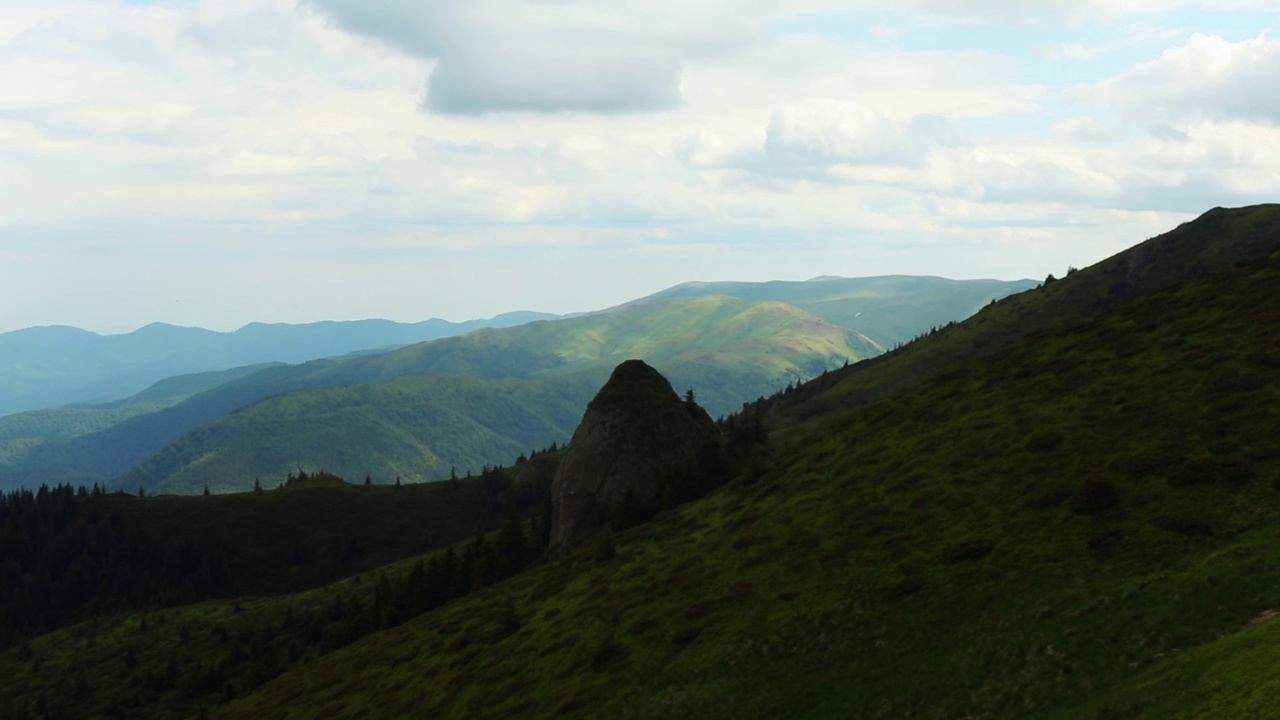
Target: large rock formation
639	448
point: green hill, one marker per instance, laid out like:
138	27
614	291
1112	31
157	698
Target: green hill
888	310
1216	240
44	367
37	426
1080	524
702	340
415	429
419	427
1034	534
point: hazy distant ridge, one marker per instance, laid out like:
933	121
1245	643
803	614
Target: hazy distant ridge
43	367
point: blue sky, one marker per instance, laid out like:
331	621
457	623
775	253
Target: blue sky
219	162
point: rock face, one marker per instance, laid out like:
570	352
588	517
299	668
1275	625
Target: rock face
639	447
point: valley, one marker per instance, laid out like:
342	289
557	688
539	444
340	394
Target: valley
1076	521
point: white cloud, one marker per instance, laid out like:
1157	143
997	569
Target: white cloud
1018	13
266	143
826	133
520	55
1086	130
1207	78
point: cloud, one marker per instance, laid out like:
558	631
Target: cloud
1020	13
545	57
202	138
1086	130
1206	79
822	133
550	77
826	133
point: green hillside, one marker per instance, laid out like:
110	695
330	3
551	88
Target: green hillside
716	331
45	367
38	426
730	350
888	310
416	429
1034	534
1081	525
420	427
1216	240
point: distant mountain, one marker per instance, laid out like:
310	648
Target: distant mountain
721	348
45	367
1215	241
478	399
75	420
888	310
1076	526
1080	525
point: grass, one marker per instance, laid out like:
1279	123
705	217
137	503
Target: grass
464	401
1080	525
1035	534
1215	241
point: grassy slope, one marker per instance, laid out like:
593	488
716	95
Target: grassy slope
730	350
887	310
1030	535
22	434
52	366
413	428
72	421
418	428
1214	241
719	330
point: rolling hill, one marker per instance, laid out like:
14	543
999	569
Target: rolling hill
1215	241
99	443
889	310
1063	529
45	367
451	407
1079	525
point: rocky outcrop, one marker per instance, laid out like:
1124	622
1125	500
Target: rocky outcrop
639	448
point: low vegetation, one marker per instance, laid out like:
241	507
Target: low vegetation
1079	523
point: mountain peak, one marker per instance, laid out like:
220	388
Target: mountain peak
639	447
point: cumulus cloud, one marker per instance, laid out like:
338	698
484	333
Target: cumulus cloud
1206	79
522	55
1086	130
815	138
1003	11
289	135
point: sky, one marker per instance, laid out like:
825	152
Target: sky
218	162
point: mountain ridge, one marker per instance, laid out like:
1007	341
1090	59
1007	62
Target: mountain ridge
1079	525
50	366
728	349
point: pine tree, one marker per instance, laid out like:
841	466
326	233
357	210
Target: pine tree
511	543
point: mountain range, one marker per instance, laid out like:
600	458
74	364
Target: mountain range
730	349
44	367
1064	506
